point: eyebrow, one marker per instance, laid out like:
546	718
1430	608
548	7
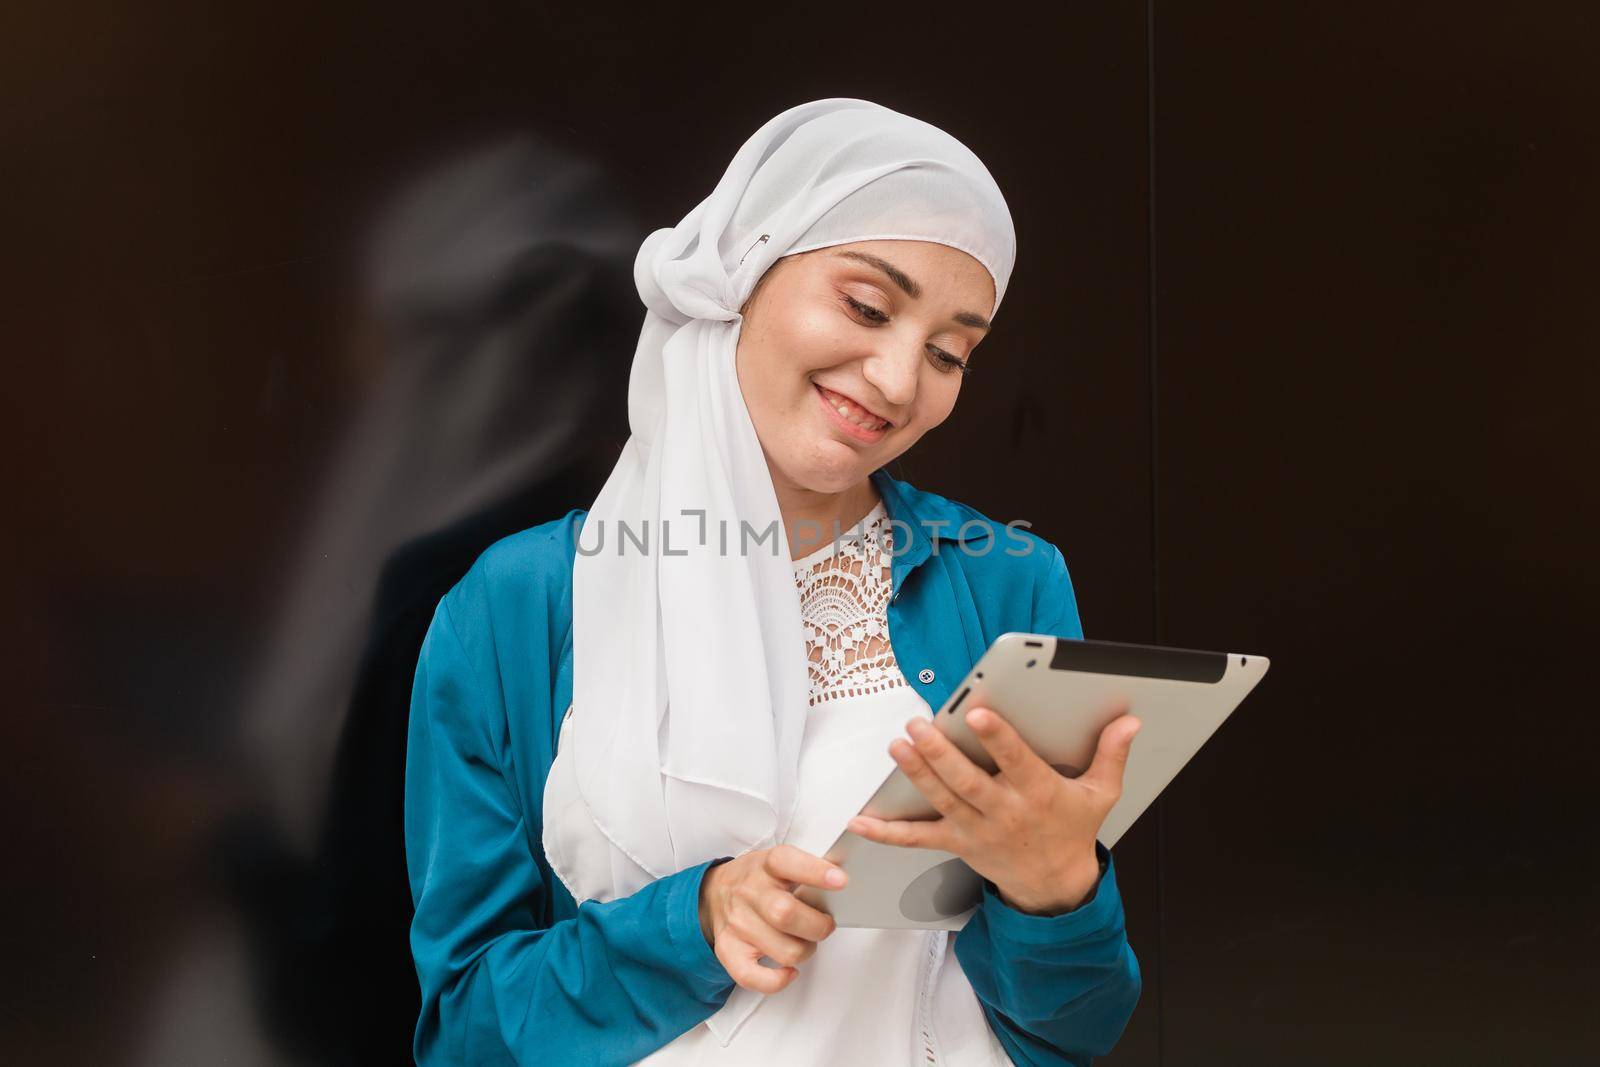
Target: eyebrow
910	287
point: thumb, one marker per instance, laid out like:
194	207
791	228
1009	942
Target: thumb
1111	755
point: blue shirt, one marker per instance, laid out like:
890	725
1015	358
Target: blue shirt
513	971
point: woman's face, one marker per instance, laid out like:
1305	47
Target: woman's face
877	328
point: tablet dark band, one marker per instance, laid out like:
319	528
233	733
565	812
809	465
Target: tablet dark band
1140	661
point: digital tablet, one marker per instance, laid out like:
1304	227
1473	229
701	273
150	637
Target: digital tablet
1059	694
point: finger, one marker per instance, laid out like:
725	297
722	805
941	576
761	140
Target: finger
784	949
790	915
968	781
741	960
1016	759
929	784
1111	755
796	866
907	833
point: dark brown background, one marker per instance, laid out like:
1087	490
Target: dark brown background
1299	359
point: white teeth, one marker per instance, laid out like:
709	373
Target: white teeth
866	422
859	420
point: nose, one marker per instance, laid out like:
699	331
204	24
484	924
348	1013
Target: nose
892	370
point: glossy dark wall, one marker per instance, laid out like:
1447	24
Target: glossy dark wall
305	307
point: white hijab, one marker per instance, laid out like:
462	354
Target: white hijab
690	685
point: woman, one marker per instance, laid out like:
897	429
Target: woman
634	729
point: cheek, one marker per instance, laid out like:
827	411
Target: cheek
940	390
811	338
775	361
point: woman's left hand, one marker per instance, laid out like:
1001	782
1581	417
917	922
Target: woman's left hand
1028	829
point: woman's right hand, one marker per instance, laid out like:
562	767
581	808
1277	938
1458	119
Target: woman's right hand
748	910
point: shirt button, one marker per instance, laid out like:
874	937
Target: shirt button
925	675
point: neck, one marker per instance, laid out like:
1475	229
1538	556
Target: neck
812	519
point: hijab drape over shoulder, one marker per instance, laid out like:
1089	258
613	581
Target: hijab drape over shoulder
690	684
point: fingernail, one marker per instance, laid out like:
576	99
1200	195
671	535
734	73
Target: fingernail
978	717
835	877
918	728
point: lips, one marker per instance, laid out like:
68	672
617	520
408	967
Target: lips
837	397
850	417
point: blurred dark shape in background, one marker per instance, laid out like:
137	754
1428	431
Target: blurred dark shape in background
502	322
489	343
494	280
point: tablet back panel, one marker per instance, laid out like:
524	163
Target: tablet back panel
1059	694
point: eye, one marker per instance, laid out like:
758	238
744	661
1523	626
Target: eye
946	362
866	311
943	360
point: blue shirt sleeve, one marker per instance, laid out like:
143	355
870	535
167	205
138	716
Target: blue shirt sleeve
1055	602
1056	989
611	985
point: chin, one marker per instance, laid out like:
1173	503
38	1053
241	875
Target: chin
834	469
831	481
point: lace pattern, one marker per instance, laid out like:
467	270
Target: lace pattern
844	609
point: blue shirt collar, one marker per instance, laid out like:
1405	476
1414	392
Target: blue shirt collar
917	518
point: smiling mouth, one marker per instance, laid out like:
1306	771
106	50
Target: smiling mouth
851	415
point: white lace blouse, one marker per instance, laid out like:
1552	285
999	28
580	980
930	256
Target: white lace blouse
866	996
